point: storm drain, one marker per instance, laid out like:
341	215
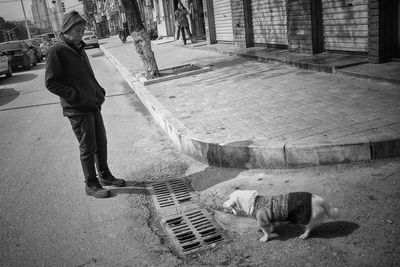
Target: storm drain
192	230
189	228
170	193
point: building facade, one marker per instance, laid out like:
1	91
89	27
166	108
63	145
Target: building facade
365	27
157	15
56	14
160	14
40	14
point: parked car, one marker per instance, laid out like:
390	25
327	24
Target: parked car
90	39
35	45
5	65
47	40
19	53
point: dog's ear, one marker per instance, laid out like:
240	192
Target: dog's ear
231	209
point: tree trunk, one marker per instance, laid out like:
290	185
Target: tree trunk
141	38
142	42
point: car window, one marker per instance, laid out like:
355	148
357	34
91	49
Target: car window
88	33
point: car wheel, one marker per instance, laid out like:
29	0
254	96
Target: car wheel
97	46
9	72
27	65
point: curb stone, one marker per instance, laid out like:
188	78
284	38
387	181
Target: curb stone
256	154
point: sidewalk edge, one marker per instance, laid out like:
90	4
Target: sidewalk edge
255	154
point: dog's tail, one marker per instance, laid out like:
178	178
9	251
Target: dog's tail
332	213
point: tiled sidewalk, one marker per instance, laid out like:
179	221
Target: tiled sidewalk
255	115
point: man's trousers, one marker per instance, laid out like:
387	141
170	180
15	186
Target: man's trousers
90	131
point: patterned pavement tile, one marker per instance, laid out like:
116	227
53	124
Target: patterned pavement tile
243	99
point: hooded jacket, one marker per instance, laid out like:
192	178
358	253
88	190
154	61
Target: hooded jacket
70	76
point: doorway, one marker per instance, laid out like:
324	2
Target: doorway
316	27
196	18
396	30
390	27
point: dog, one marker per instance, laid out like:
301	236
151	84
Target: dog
297	207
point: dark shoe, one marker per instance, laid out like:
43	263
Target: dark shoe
97	191
110	180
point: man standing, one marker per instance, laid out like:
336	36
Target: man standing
70	76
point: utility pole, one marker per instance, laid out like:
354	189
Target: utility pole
26	22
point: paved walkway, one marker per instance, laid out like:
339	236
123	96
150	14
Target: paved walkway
249	114
351	65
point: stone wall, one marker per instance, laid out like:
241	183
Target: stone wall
238	23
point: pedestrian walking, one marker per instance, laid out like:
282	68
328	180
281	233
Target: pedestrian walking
182	22
70	76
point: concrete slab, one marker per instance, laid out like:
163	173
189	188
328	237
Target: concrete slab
386	72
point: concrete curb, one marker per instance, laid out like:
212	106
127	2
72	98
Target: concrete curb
255	154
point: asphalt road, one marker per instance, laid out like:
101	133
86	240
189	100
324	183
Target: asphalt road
47	220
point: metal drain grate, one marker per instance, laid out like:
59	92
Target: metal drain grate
170	193
192	230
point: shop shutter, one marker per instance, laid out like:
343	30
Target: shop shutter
345	25
269	21
223	20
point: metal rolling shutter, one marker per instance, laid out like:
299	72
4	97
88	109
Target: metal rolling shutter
269	21
345	25
223	20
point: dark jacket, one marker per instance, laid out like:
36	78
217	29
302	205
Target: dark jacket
181	19
70	76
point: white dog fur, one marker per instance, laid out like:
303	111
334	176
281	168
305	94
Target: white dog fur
242	202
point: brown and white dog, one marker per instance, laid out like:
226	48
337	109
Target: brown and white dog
297	207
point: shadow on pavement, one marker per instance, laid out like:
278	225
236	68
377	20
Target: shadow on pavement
7	95
211	176
199	181
335	229
17	78
326	230
238	70
132	187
